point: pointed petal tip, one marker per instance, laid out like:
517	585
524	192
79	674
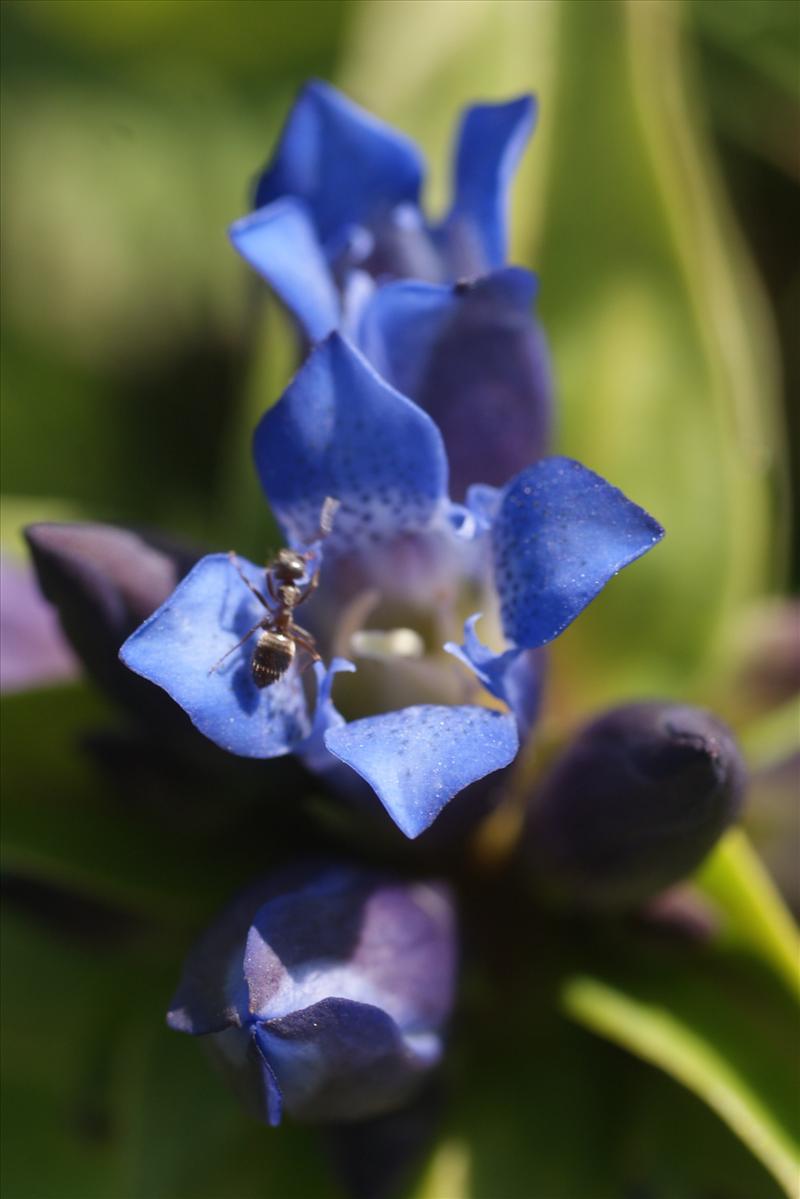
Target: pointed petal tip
417	759
561	534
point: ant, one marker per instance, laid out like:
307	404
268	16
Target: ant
279	638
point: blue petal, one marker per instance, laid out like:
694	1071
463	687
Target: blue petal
562	532
347	165
417	759
483	504
473	357
181	643
272	1101
279	241
339	430
487	666
515	676
211	996
343	1060
490	143
358	935
326	716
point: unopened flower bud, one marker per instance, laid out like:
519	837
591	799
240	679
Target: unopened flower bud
323	991
104	581
634	804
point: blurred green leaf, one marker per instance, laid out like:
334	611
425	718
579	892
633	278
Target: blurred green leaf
523	1094
124	1107
762	33
64	825
273	360
58	1004
663	349
717	1027
756	918
750	74
539	1107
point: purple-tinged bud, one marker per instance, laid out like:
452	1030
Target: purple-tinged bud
324	991
680	913
33	652
634	804
769	673
487	386
104	581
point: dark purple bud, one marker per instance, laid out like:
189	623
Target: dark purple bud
770	643
680	913
104	581
773	822
324	991
488	386
634	805
34	652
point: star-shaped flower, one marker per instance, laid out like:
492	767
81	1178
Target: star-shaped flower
539	550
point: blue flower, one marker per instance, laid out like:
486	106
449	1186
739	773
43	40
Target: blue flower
399	568
340	236
324	991
342	194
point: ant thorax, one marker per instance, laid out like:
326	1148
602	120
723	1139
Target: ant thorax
289	596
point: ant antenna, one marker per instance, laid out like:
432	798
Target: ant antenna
326	517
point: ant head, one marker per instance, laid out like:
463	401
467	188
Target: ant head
289	566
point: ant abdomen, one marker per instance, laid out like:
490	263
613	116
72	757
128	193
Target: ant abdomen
273	655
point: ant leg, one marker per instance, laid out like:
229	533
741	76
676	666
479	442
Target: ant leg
313	584
303	634
235	564
309	662
306	642
233	649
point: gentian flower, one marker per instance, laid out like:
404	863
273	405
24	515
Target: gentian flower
634	804
402	558
324	991
339	234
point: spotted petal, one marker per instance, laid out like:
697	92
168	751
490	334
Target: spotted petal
490	143
561	533
418	758
181	647
347	165
279	241
340	431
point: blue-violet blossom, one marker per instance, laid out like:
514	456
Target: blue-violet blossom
339	234
537	551
324	991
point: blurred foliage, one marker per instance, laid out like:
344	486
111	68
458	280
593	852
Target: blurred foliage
137	354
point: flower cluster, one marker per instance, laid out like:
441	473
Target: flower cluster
457	550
